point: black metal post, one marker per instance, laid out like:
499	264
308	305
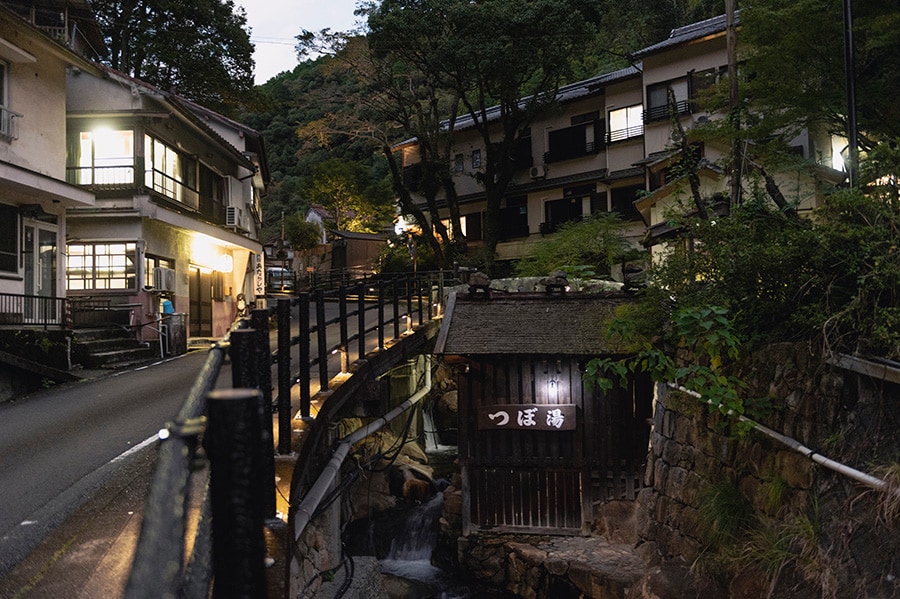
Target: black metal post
233	443
303	377
283	310
243	361
321	331
419	288
259	320
361	321
380	314
395	300
342	310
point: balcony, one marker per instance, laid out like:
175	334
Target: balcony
623	134
662	112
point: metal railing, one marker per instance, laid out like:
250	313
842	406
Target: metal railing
34	310
234	426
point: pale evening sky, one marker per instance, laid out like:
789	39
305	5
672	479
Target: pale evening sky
275	23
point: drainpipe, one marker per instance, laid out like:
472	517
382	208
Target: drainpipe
852	473
318	491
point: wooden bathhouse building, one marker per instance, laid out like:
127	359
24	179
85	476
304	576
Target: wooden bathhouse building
539	447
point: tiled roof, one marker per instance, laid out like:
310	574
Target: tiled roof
571	324
694	31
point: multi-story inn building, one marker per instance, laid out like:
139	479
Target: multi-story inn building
609	145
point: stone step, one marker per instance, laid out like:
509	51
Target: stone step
119	357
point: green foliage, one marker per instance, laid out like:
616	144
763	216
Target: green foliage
200	49
349	192
300	233
395	257
592	245
724	514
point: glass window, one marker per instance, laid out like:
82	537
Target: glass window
658	99
9	239
458	163
169	173
96	266
625	123
151	262
476	158
104	157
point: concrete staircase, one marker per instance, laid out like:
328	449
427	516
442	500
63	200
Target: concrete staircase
110	347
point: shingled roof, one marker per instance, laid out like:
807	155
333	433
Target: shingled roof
529	323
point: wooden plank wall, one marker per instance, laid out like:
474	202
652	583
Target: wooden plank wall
548	480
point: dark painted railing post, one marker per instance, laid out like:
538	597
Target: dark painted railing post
243	365
396	305
303	378
259	321
419	286
342	310
245	373
361	321
409	304
380	314
283	313
321	331
233	443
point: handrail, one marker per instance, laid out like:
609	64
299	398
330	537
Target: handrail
815	456
160	566
307	508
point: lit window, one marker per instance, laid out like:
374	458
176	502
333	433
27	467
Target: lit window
96	266
104	157
625	123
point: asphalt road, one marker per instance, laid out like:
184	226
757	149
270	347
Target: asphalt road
59	446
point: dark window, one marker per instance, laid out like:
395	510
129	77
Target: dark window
572	142
514	218
658	100
559	212
598	202
476	159
9	239
458	163
212	190
412	176
473	226
623	201
522	157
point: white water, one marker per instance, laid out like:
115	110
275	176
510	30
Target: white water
410	554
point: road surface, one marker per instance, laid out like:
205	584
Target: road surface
57	447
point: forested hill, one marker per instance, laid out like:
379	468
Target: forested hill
315	88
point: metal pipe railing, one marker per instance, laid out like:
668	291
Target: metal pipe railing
818	458
320	488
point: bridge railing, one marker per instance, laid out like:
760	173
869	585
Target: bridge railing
232	428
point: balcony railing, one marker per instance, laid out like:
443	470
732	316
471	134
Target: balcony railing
662	112
101	177
34	310
172	188
626	133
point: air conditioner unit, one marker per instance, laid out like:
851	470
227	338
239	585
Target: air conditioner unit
539	172
163	279
232	216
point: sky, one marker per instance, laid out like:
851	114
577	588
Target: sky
275	23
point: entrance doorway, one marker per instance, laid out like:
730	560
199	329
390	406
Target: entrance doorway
201	303
40	252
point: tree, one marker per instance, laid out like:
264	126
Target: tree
300	233
592	245
354	199
200	49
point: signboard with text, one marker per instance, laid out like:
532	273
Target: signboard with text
538	417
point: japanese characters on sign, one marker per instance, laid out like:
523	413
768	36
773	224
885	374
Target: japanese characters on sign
539	417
